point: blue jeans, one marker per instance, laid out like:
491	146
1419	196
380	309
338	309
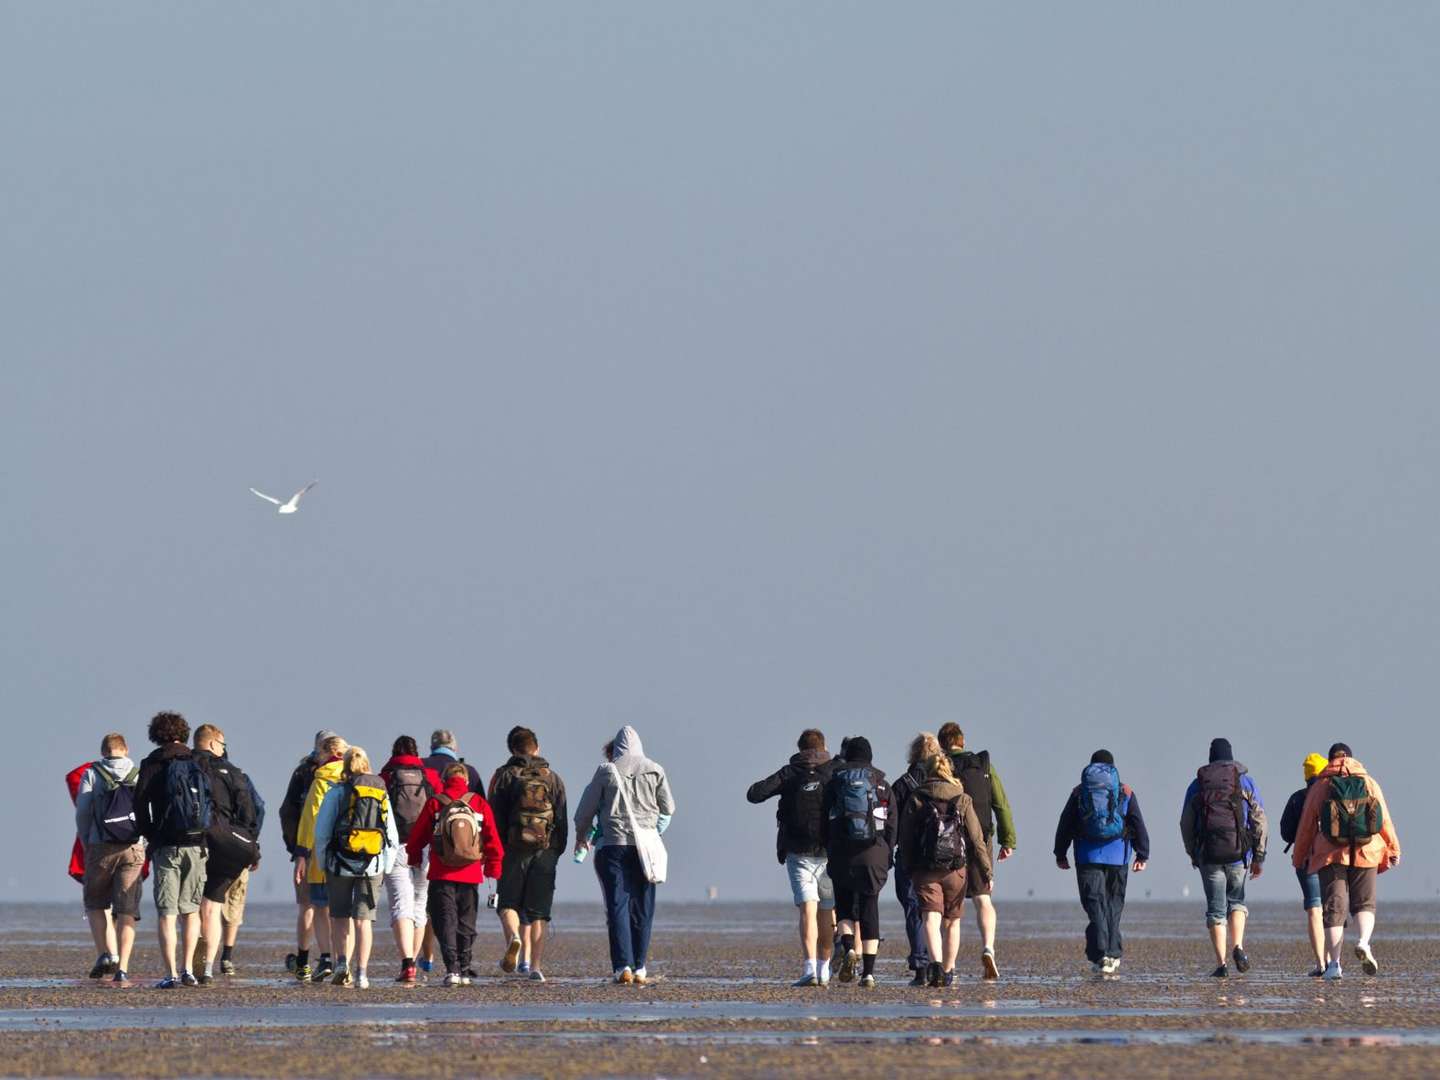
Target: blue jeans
1309	889
1224	890
629	905
914	926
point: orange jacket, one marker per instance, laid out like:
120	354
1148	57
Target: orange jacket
1314	851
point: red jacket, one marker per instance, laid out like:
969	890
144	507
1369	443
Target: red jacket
77	853
410	761
458	787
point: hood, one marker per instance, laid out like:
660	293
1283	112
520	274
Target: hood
117	767
403	761
457	787
627	744
1346	766
934	787
520	761
168	751
444	750
332	772
811	759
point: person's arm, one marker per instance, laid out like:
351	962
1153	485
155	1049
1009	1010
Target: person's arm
144	819
664	799
1065	832
769	787
1004	819
258	803
892	820
292	807
392	839
979	850
561	835
500	802
305	832
84	795
1387	827
1259	825
1187	824
1305	831
1139	834
589	807
324	821
421	832
489	839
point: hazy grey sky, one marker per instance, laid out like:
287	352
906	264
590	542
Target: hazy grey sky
725	369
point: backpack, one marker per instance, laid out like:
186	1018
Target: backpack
804	823
409	791
1220	813
457	833
234	832
855	802
1290	819
360	833
113	804
187	797
973	772
1350	813
1102	806
940	835
532	820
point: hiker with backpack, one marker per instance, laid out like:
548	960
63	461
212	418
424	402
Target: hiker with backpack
310	863
859	842
114	856
1223	825
410	785
528	800
444	752
630	797
992	806
1310	893
800	846
172	813
458	827
355	835
940	841
232	840
292	808
1102	819
1346	836
918	960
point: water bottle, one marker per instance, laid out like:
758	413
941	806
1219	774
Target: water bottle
580	854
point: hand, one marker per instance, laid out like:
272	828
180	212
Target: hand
1394	860
1138	865
300	871
1005	853
1062	862
581	846
1256	869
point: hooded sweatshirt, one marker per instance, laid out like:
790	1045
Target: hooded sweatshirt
643	783
936	789
458	787
327	775
150	805
842	852
328	818
410	761
118	768
794	837
504	798
1314	851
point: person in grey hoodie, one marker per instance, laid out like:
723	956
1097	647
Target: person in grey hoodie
628	787
114	854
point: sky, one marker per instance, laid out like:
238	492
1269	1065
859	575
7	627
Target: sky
724	369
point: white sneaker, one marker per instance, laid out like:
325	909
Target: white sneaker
641	978
1332	971
1366	958
1110	965
536	975
625	976
453	979
824	975
362	982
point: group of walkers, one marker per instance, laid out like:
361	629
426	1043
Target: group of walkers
843	828
427	830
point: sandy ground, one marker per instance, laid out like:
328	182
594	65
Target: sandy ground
723	1005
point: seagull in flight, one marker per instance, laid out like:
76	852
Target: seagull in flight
294	503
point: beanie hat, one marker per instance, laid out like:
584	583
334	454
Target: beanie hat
1102	757
1220	750
1340	750
857	749
322	737
1314	765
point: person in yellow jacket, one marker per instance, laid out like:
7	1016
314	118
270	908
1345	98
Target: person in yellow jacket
1347	837
310	865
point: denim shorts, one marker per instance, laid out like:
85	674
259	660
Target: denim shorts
1309	889
1224	890
810	881
319	894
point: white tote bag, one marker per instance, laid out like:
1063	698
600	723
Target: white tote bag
654	859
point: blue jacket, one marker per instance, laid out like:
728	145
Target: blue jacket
1257	828
328	815
1134	843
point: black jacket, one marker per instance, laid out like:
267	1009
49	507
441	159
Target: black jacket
790	837
150	803
441	762
1068	831
230	799
504	791
902	789
1290	819
842	852
294	804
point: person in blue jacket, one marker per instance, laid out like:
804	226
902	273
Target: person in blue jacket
1101	818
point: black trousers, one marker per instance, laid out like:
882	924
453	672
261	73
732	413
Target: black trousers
1102	893
452	906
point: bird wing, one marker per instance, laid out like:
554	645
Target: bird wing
295	499
267	498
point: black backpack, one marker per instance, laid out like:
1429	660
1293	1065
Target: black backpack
804	823
973	772
1220	814
112	802
187	798
409	792
940	835
1290	819
234	832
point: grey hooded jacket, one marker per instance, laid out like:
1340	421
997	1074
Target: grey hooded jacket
646	788
118	768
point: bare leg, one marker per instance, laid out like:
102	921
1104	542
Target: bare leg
342	933
932	920
323	937
165	926
232	933
102	930
825	929
1315	923
304	926
427	948
1365	923
1217	942
535	933
404	930
1334	942
125	937
952	943
985	920
364	941
809	929
1237	929
210	923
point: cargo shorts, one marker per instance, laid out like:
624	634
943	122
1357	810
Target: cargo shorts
179	872
112	878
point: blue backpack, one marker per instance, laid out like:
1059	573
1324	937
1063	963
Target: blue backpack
855	802
187	797
1102	809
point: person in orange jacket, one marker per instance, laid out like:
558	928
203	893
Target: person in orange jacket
1348	838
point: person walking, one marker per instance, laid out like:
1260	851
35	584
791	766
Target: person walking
1310	896
527	798
458	826
410	786
939	838
444	752
356	838
1347	836
1223	826
630	797
114	856
800	846
918	960
860	841
310	864
992	806
232	840
1101	818
292	808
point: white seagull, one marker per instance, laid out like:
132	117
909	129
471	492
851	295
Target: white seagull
294	503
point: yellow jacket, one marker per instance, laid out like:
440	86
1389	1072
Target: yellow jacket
326	777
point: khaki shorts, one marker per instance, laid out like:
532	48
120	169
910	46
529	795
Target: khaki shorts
234	910
112	878
940	890
1345	891
179	873
352	897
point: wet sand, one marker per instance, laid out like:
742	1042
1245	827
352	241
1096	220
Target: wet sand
722	1004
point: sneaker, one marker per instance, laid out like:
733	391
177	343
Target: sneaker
104	966
536	975
624	976
206	979
988	965
169	982
1367	959
1097	967
426	966
451	979
362	982
847	965
867	982
343	977
303	973
323	970
824	976
921	978
641	976
469	973
121	981
1332	971
934	976
227	967
406	976
291	962
1317	971
1220	972
1242	959
522	968
806	980
466	980
188	979
1110	965
948	979
512	956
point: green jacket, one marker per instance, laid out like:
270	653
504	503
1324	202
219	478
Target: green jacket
1000	822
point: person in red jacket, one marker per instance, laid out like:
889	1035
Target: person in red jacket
465	849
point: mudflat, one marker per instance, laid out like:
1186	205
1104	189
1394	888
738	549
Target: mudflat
721	1004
